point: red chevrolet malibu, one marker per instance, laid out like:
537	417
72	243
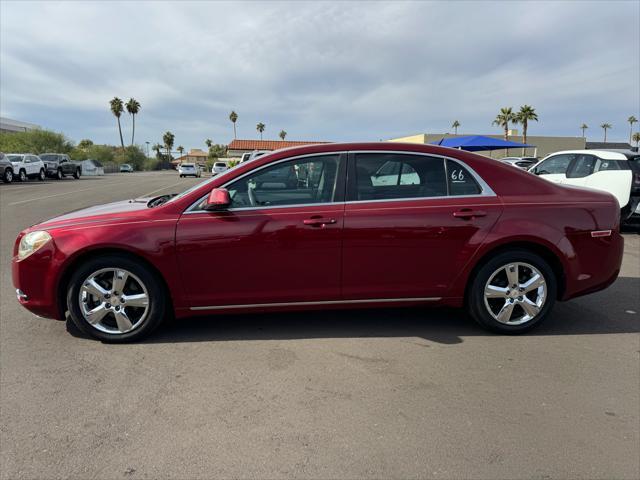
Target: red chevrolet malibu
327	226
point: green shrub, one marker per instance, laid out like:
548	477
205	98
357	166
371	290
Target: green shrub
35	141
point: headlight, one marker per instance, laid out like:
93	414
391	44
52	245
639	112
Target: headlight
32	242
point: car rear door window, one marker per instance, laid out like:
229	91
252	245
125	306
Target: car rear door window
607	165
303	181
460	180
582	166
390	176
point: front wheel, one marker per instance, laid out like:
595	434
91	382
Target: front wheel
115	299
8	176
76	174
59	174
42	175
513	292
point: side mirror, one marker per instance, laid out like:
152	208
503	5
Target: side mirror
218	199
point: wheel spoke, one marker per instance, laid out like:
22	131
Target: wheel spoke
533	283
97	314
138	300
92	287
122	320
119	280
512	274
504	315
491	291
529	307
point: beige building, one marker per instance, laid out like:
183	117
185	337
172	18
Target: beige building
543	145
195	155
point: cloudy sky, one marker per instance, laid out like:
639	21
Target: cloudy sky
321	71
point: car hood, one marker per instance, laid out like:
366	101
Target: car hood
100	213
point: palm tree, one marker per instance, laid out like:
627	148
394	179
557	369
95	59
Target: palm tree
156	148
133	107
583	127
233	116
605	127
168	138
180	149
526	113
636	138
455	126
117	107
631	121
282	135
208	142
260	128
505	116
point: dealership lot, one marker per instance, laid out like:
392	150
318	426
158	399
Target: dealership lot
410	393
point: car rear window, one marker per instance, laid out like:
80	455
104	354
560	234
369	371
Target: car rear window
220	164
461	182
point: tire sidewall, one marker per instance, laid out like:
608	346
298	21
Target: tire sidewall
157	302
59	174
476	305
42	175
8	176
76	175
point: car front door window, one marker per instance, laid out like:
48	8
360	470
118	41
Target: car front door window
556	165
304	181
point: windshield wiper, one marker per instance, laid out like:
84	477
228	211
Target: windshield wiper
160	199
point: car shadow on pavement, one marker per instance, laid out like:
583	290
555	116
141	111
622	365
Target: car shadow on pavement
606	312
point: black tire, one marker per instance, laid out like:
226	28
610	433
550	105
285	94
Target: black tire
42	176
76	174
8	175
59	174
22	176
156	294
476	296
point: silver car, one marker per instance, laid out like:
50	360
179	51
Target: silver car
521	162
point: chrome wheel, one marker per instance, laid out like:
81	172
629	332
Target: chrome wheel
515	293
8	176
114	300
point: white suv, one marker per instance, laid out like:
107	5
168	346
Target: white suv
218	167
613	171
189	170
26	165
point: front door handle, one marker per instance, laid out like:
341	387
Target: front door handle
319	222
468	213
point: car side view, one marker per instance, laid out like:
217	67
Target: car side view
6	169
26	166
59	165
613	171
327	226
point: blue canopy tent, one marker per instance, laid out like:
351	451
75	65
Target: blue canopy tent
476	143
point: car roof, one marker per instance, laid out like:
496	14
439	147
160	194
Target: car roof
604	154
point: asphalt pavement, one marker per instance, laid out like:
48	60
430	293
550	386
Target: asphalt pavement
403	393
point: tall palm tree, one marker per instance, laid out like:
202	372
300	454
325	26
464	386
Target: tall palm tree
282	135
168	138
133	107
208	142
180	149
503	119
605	127
636	138
583	127
455	126
117	107
260	128
233	116
527	113
631	121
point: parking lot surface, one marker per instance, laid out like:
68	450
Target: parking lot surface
404	393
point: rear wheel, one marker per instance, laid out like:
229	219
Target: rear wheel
22	175
513	292
115	299
8	176
76	174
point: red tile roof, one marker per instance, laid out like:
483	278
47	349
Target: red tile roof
267	144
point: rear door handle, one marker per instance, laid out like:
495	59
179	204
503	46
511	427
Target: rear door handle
468	213
319	222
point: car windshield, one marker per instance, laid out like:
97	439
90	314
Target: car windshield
48	157
187	165
14	158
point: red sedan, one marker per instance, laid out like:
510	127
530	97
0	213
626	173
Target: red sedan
327	226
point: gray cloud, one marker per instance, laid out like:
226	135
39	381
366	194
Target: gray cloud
325	71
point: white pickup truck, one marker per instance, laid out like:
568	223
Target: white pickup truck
613	171
27	165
